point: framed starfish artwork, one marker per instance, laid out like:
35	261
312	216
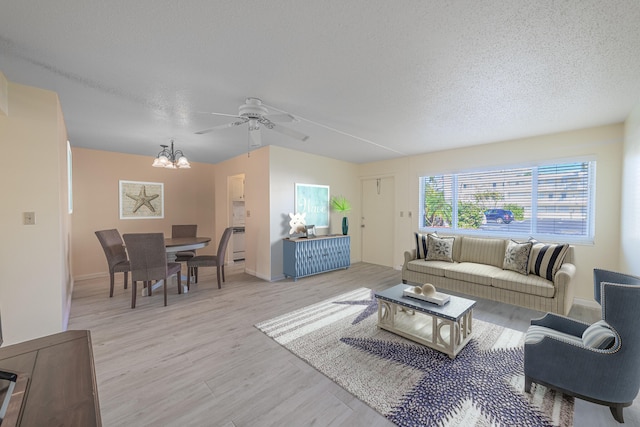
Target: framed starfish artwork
141	200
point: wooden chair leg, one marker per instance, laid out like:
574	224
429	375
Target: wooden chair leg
189	270
149	287
222	267
616	411
133	294
218	274
111	277
195	275
180	282
164	285
126	279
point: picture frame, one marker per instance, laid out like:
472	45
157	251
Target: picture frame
313	200
310	231
141	200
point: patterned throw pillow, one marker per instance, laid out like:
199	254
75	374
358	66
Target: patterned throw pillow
439	248
546	259
599	335
421	244
516	257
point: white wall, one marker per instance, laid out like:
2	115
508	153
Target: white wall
288	167
630	224
36	281
604	142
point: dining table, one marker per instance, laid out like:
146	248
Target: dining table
174	245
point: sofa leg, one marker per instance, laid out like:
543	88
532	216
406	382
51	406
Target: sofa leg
616	411
527	384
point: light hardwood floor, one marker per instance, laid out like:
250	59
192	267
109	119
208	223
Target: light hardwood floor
201	362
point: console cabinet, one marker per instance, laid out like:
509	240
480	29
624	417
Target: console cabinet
304	257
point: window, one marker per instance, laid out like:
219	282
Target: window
544	201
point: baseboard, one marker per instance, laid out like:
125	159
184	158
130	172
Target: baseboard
586	303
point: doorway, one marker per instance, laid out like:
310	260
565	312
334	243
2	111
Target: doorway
377	222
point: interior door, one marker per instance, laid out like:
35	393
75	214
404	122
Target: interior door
377	222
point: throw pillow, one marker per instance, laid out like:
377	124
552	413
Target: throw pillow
421	244
546	259
440	248
599	335
516	257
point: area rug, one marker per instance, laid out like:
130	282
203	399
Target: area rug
413	385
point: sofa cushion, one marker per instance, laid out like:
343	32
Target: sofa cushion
421	244
439	248
546	259
531	284
483	251
516	257
434	268
472	272
599	335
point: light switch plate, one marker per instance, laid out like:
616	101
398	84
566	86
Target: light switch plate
29	218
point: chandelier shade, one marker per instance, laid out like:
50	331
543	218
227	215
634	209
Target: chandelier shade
171	159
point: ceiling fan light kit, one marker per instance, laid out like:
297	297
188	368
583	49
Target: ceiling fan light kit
171	159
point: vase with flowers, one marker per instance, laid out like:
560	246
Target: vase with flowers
342	205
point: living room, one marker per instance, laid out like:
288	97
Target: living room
62	244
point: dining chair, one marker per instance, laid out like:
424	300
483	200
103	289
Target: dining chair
210	260
148	258
117	260
190	230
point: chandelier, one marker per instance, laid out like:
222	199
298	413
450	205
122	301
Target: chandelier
171	159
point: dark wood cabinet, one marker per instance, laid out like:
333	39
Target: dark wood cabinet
61	389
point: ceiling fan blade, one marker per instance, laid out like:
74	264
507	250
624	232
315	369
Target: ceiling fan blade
224	126
281	118
255	137
225	115
289	132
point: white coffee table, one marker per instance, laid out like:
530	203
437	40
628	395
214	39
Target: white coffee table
445	328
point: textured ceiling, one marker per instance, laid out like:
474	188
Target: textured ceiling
395	78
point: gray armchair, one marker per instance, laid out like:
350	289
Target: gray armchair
560	355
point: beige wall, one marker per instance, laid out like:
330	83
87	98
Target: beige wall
36	281
255	168
630	223
604	143
188	199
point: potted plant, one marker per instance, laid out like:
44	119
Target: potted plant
342	205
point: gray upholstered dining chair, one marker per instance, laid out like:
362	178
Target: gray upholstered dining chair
210	260
599	362
148	258
117	260
190	230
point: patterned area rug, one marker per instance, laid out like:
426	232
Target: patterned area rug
413	385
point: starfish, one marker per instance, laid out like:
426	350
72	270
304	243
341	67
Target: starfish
143	200
476	375
371	307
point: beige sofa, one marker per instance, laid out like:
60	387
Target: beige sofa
476	269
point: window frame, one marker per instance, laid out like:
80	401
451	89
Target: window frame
453	229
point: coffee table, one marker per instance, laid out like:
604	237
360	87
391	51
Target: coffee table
446	328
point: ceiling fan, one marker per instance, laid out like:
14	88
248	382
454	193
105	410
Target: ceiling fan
256	114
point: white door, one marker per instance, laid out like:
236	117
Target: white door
377	222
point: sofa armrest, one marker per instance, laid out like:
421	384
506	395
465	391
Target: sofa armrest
409	255
565	288
561	324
